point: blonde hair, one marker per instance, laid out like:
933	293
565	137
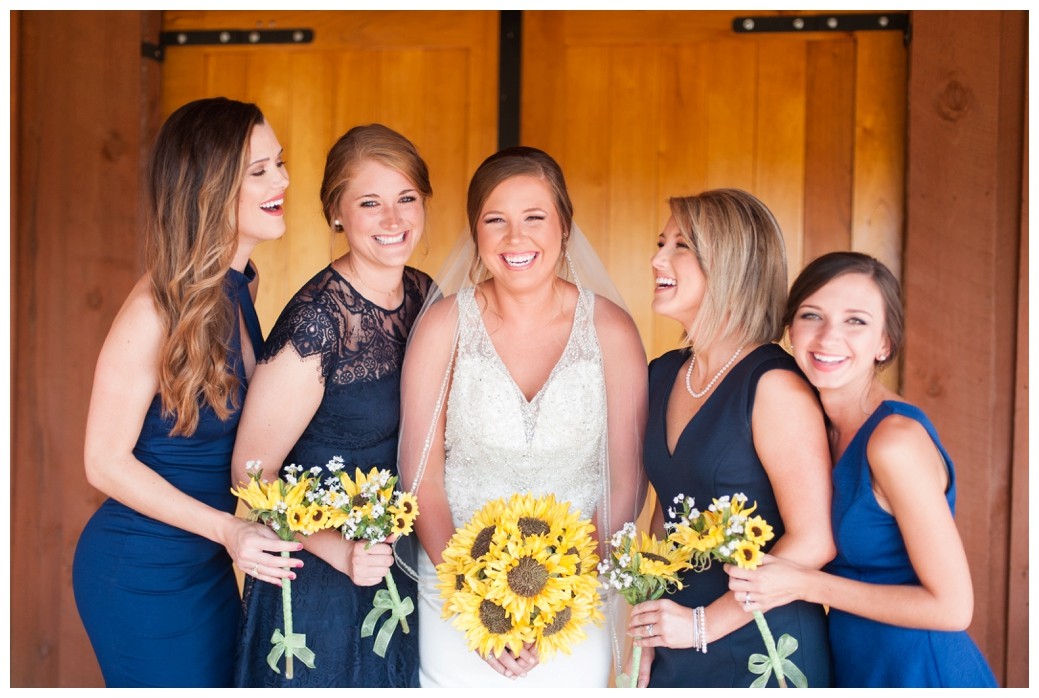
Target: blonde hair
195	174
740	248
370	142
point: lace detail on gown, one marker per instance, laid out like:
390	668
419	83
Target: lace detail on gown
499	444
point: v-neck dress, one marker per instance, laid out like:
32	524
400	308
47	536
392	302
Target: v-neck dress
161	604
870	548
497	443
713	457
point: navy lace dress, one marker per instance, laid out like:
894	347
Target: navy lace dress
362	348
715	456
161	604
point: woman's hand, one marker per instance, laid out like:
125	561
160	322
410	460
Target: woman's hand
661	623
368	566
514	666
776	582
256	550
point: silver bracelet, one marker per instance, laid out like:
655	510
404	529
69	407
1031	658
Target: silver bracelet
700	618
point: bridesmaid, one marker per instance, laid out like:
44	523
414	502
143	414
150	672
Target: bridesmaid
152	572
731	413
899	590
328	385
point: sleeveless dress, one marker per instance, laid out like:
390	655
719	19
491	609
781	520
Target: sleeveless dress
161	604
499	444
362	348
870	548
714	457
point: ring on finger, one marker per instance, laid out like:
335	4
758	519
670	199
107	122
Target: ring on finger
256	567
746	600
649	630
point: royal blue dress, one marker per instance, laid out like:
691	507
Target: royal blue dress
714	457
161	605
362	348
870	548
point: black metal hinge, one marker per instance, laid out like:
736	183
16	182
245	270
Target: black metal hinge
225	37
878	21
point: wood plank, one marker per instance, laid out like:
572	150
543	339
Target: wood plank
829	146
731	100
965	136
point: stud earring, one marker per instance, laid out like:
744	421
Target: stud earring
337	225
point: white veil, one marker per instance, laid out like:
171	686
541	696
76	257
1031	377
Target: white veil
426	382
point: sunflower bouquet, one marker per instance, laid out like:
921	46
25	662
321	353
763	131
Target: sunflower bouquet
290	507
366	507
522	572
641	570
727	532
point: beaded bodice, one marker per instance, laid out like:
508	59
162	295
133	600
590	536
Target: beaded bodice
498	443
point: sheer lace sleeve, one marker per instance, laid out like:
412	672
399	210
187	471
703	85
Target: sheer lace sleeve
311	326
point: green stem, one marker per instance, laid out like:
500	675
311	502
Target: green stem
770	646
286	605
392	587
636	660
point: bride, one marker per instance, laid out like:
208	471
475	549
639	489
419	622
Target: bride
520	378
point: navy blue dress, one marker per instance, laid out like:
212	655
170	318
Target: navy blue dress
870	548
714	457
362	348
160	604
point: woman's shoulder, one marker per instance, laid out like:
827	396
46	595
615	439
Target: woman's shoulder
896	423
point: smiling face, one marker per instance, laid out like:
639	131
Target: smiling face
680	282
519	233
262	195
382	214
838	332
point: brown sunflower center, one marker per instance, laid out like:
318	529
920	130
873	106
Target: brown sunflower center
482	544
756	531
459	582
656	558
528	577
747	554
494	618
317	515
560	621
358	501
530	526
406	506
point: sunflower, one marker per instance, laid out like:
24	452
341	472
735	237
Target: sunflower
693	541
660	559
526	515
747	555
297	517
487	626
256	495
527	575
404	511
361	487
475	539
578	541
294	494
758	531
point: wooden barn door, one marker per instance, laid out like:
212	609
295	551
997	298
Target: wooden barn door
640	106
432	76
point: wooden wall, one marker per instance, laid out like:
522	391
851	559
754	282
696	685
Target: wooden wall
85	106
965	281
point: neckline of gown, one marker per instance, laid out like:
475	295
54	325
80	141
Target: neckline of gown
368	301
718	389
527	404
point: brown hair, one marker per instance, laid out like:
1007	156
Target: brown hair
514	162
828	267
195	174
740	249
370	142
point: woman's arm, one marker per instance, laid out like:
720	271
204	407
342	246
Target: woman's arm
912	478
125	382
627	400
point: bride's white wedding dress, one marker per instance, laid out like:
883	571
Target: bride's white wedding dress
498	444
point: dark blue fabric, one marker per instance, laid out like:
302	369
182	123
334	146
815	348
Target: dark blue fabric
870	549
715	457
160	604
361	347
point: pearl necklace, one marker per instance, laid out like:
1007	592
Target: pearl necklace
689	374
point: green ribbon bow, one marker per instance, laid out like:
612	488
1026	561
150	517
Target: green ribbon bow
387	600
776	660
293	645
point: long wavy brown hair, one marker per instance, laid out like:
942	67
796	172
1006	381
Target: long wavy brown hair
196	171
